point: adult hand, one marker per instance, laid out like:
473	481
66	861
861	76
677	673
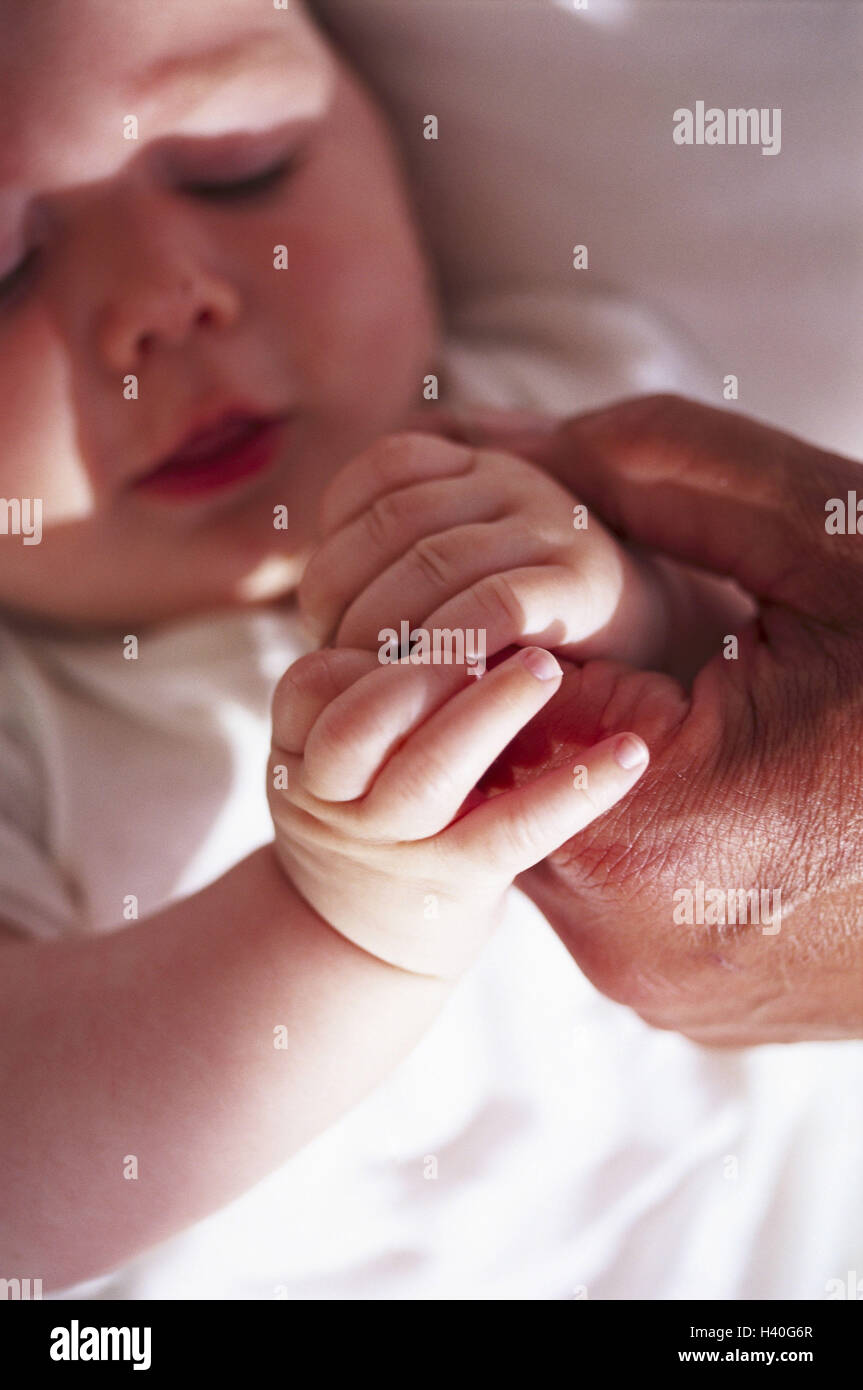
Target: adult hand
756	776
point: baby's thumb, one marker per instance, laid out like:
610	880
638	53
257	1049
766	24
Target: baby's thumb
515	830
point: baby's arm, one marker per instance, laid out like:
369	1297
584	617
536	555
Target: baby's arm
156	1046
158	1043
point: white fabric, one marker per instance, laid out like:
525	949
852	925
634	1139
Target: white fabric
579	1153
555	129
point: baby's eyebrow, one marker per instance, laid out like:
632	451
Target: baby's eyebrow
288	73
212	66
177	84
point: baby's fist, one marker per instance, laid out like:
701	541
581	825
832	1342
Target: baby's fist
372	780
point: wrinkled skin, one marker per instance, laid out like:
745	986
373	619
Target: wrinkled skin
755	774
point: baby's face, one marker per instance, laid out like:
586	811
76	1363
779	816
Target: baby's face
143	299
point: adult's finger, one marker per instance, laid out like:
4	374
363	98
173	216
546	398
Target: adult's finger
708	487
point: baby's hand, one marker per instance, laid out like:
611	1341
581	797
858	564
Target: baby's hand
371	780
440	536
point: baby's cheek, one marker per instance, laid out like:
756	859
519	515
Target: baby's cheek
363	335
40	449
364	297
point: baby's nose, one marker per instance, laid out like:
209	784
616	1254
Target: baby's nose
153	287
161	307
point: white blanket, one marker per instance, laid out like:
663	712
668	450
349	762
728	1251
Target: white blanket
555	129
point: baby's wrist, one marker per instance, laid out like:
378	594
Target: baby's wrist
410	927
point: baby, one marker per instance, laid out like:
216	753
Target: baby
216	316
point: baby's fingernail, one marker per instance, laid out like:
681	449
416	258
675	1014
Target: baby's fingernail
540	663
631	751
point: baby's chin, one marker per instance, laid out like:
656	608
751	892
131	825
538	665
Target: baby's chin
272	581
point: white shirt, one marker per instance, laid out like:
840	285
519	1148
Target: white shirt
540	1141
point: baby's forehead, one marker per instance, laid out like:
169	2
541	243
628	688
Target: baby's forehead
118	36
71	73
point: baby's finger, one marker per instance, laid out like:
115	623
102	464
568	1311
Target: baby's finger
426	781
352	557
309	686
396	461
547	605
515	830
358	731
437	569
494	427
